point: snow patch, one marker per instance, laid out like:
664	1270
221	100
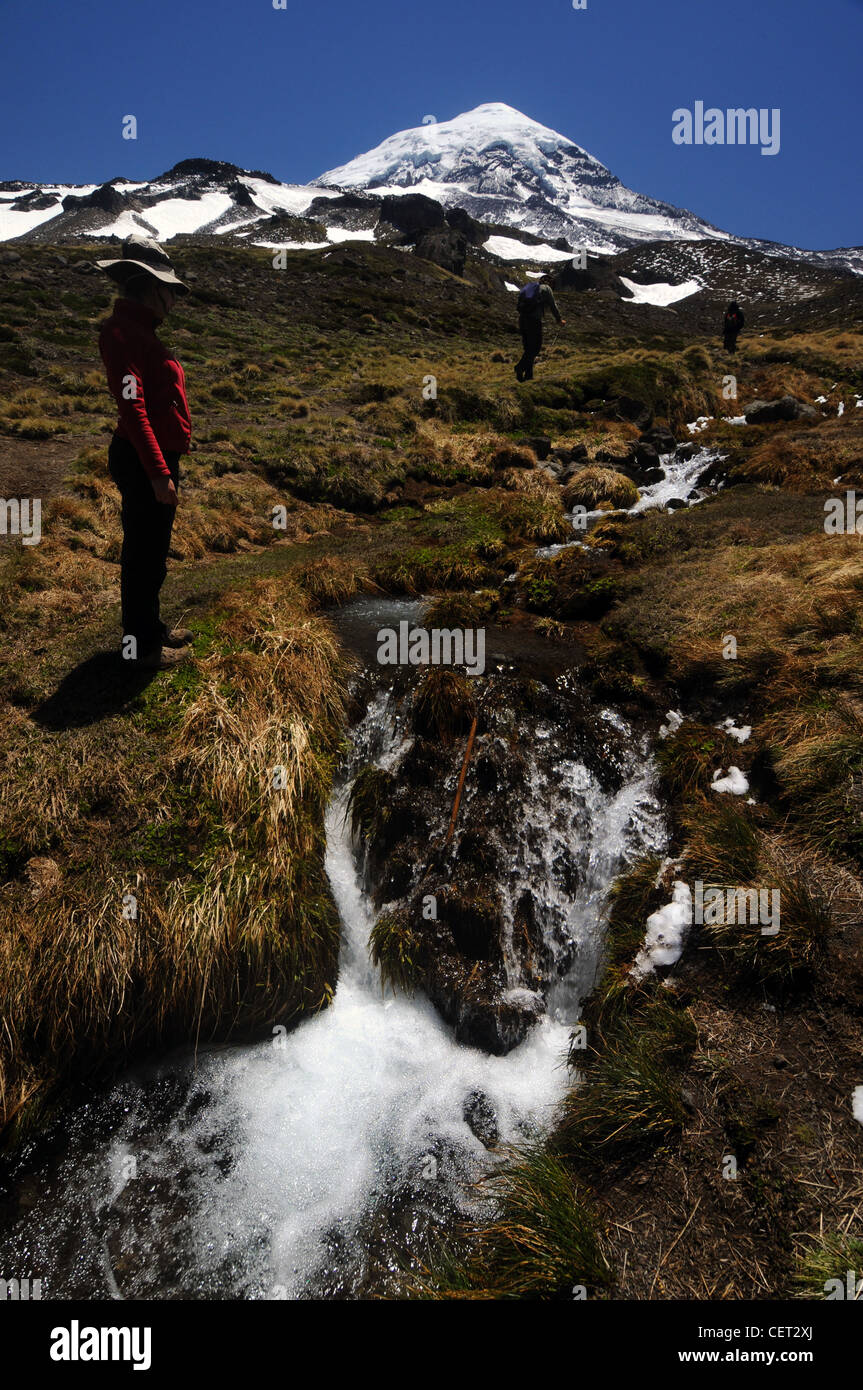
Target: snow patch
508	249
661	294
665	933
741	734
735	782
675	719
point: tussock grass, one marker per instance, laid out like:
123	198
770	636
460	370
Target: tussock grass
395	949
630	1101
830	1256
590	487
333	580
543	1240
792	956
247	937
369	803
444	704
722	844
688	758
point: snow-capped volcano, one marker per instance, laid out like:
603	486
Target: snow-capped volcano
491	183
505	168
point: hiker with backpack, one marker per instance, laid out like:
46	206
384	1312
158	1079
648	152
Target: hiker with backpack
153	431
533	301
731	326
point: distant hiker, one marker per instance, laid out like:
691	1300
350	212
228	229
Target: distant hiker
153	430
533	300
732	324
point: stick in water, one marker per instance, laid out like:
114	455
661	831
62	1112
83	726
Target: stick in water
457	801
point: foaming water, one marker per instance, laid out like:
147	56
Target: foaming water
678	484
294	1167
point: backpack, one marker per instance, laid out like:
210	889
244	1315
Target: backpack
528	298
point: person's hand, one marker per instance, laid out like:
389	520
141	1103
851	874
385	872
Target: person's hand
563	323
165	491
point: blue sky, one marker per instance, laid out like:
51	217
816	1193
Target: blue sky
300	90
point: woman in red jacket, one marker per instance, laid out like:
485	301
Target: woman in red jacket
153	431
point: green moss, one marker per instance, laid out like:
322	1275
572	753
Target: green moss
395	949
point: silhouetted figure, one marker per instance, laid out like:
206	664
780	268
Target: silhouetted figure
153	431
533	301
732	324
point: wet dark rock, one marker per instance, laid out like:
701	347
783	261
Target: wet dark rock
476	847
686	451
715	472
570	454
479	1115
786	408
486	772
540	445
474	914
660	437
482	1019
629	408
646	455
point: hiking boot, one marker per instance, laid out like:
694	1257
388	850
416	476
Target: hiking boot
180	637
162	659
519	373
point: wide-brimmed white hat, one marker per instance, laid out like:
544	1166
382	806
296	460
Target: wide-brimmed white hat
142	253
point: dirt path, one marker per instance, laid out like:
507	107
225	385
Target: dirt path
38	467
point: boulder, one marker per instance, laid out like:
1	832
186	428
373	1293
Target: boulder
539	444
646	455
660	437
612	460
629	408
444	247
475	233
412	213
597	275
685	451
786	408
567	454
106	198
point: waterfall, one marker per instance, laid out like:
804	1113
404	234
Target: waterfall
292	1167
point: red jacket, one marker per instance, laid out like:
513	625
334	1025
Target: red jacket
148	384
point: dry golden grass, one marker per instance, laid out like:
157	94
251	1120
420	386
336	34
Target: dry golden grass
592	486
246	939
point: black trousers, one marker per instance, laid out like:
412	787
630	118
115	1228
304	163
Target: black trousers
147	527
730	342
531	338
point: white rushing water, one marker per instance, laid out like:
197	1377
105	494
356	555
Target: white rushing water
268	1184
679	484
